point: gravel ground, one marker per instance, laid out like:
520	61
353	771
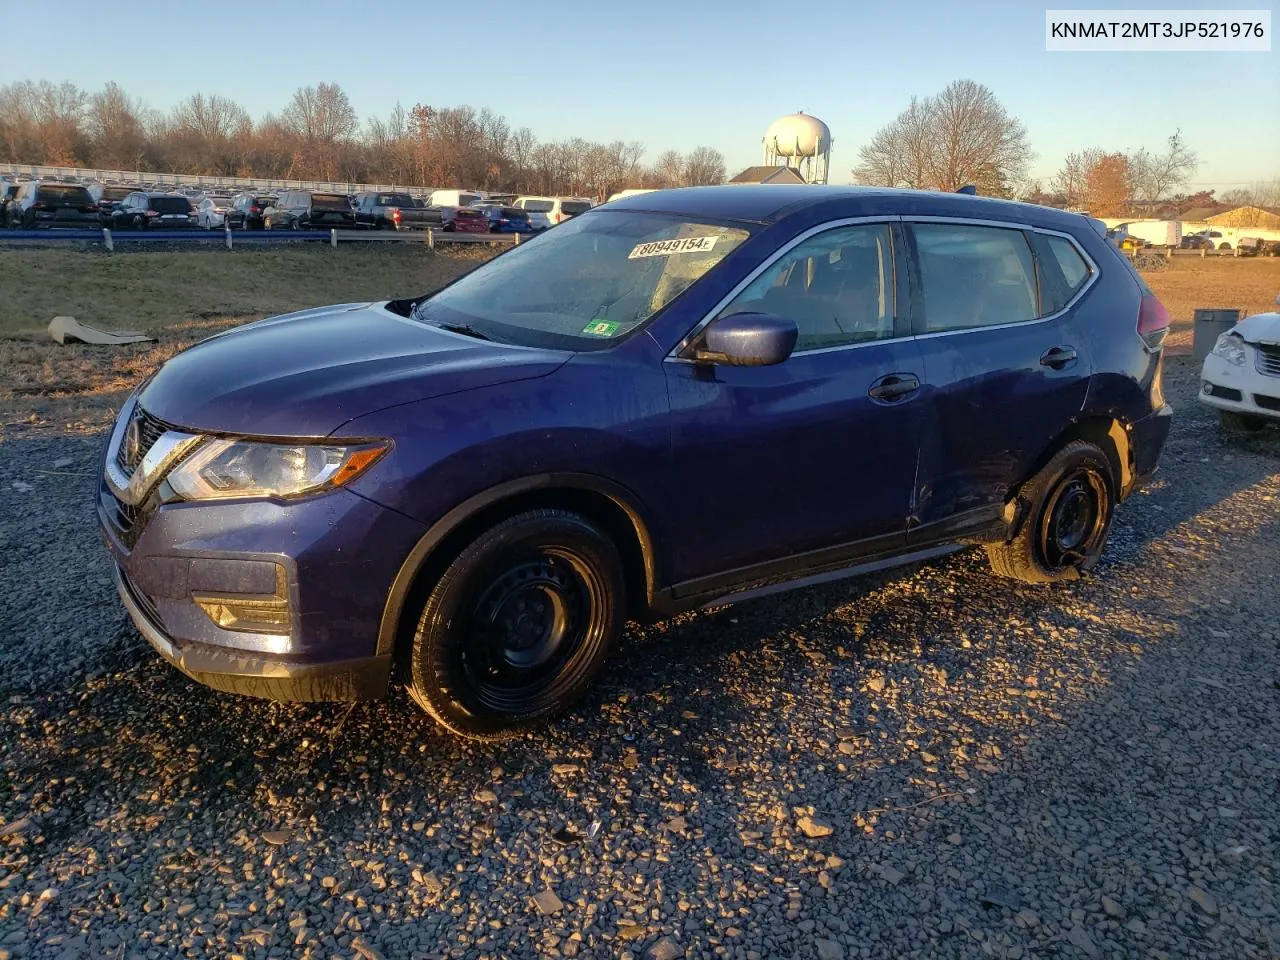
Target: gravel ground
931	763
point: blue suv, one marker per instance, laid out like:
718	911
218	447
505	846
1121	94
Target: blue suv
676	399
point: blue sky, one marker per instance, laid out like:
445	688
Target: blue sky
679	73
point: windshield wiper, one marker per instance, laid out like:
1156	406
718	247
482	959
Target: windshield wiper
465	329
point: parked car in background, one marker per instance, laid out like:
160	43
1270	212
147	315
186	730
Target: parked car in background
463	220
8	190
1207	240
304	210
247	210
454	198
394	211
108	197
506	219
1241	376
41	203
159	211
545	212
471	491
211	214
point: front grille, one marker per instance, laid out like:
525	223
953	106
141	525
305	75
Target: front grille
149	430
141	599
1266	403
1268	361
122	517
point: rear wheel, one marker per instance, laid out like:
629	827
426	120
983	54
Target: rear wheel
266	223
1067	516
1246	422
518	625
139	222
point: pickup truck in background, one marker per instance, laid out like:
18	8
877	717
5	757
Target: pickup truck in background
394	211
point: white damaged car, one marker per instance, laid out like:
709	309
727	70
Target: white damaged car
1241	376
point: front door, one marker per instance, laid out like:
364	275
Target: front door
817	452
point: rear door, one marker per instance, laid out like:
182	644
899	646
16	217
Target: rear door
1005	367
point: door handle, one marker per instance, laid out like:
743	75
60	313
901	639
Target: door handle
1058	357
894	387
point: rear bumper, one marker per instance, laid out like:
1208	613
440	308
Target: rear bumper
235	671
1147	440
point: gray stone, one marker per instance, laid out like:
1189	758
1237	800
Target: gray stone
828	949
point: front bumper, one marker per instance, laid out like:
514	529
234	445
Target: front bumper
235	671
1239	388
324	564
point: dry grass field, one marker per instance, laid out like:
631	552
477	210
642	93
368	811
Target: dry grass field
180	296
1249	284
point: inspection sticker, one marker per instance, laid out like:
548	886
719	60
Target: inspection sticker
601	328
660	248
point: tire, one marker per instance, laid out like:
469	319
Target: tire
1224	246
295	224
519	624
139	223
266	223
1068	507
1241	422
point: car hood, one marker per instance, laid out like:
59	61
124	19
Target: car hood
1260	328
307	373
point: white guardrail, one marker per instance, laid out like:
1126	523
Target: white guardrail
190	180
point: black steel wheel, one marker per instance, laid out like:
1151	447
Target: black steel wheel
1066	509
518	625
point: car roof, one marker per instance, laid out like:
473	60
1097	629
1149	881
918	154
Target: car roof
770	203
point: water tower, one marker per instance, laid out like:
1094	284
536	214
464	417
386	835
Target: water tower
802	142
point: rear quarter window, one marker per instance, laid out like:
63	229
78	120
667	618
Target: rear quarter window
574	207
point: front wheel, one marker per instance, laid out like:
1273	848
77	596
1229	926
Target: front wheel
1067	516
518	625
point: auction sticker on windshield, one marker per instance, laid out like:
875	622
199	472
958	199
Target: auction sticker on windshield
661	248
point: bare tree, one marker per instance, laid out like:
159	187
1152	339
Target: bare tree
1071	179
322	116
704	166
670	168
961	136
1156	176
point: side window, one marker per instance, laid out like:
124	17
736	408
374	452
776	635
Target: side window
836	286
974	276
1063	271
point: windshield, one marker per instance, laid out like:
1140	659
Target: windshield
329	201
590	281
57	193
170	204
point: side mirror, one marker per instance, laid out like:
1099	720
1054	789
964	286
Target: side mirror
747	340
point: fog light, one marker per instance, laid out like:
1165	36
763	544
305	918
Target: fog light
1208	387
249	612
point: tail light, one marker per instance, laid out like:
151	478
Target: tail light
395	215
40	205
91	208
255	209
1153	322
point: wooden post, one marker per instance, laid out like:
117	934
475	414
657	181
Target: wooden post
106	240
431	237
516	241
333	237
227	230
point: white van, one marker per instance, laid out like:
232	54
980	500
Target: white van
454	198
546	212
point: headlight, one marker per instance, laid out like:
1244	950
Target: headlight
225	469
1230	347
